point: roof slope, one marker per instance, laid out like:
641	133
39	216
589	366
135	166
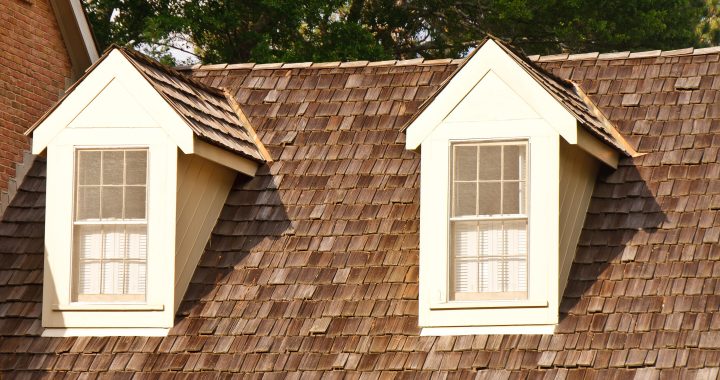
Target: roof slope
575	101
312	268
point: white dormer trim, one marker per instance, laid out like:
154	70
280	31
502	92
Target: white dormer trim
84	28
493	100
114	71
116	83
491	57
114	107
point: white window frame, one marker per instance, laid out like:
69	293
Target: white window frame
436	308
481	296
102	298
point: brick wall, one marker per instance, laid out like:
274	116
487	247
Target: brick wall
34	66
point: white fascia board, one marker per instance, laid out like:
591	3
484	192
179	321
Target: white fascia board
491	57
115	67
224	158
85	31
592	145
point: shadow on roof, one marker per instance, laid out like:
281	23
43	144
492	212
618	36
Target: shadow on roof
623	217
252	220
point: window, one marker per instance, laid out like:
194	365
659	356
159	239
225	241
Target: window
110	225
489	221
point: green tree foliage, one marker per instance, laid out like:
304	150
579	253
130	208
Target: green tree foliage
326	30
708	30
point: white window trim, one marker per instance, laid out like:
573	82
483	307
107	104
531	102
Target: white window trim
156	311
485	218
106	299
542	304
69	332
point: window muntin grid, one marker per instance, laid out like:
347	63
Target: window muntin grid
488	220
110	225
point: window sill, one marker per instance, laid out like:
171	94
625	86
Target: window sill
494	304
107	307
489	330
100	331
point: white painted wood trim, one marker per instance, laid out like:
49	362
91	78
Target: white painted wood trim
607	155
541	306
495	304
488	330
107	306
85	31
113	68
162	189
135	331
491	57
224	158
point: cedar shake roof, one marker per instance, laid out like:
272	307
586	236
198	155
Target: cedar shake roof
209	112
312	269
211	115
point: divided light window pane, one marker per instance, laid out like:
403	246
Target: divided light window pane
110	229
489	220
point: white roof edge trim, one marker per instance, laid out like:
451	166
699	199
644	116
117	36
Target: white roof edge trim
224	157
489	330
490	57
85	31
114	67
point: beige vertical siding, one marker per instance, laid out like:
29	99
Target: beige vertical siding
578	171
202	189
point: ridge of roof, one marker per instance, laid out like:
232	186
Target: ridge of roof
445	61
319	65
624	54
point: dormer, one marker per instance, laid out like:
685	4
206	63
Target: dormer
140	160
509	159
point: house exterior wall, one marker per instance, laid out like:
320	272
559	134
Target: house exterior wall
34	70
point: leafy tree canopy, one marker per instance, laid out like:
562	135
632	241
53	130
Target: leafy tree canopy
328	30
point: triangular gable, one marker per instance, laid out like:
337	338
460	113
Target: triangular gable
554	100
489	99
133	113
127	89
99	82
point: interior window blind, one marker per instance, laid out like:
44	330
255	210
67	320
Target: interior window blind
489	221
110	227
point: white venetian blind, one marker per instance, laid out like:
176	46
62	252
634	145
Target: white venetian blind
110	225
489	221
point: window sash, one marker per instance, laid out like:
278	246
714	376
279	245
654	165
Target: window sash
521	179
498	274
490	262
110	254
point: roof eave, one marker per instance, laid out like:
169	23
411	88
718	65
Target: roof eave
77	34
